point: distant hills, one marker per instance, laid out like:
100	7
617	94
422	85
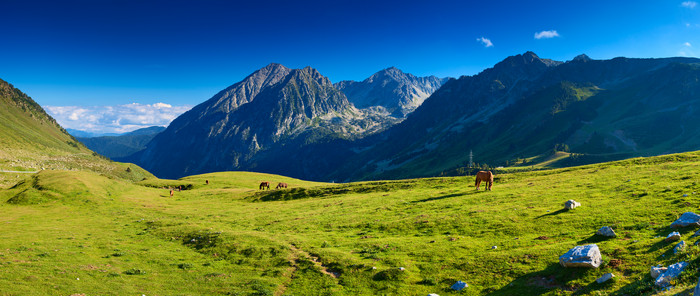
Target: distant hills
122	145
31	140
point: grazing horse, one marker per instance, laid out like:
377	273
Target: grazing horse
485	176
264	185
281	185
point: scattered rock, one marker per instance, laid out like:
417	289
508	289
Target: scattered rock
685	195
494	247
697	233
679	247
656	271
687	219
459	286
671	273
571	204
401	269
582	256
673	236
433	294
606	231
606	277
697	287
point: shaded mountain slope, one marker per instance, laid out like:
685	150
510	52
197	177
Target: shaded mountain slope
122	145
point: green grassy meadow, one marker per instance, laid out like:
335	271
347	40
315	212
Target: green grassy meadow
73	232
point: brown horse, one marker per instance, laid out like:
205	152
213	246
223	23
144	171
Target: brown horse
281	185
485	176
264	185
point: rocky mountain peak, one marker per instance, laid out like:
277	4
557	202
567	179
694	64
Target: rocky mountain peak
581	58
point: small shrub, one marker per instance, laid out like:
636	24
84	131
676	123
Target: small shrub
135	271
185	266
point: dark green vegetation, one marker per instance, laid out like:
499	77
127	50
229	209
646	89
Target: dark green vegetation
30	140
121	145
66	232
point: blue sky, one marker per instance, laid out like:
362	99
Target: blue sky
180	53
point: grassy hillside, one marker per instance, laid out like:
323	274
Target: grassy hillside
30	140
68	232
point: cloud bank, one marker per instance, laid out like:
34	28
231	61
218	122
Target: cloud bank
485	41
689	4
546	34
115	119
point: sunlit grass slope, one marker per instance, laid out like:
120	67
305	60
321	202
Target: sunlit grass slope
79	232
30	140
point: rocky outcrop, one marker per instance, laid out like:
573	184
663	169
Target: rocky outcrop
582	256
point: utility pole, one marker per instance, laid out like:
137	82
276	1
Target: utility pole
471	159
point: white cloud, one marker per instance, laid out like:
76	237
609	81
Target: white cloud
115	119
487	42
546	34
687	44
689	4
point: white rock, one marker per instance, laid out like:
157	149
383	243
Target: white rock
679	247
459	286
494	247
671	273
606	277
433	294
606	231
582	256
571	204
401	269
656	271
673	236
687	219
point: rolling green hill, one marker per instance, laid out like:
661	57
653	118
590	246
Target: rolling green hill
229	238
30	140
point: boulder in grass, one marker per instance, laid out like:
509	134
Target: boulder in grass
687	219
606	231
673	236
571	204
606	277
582	256
671	273
459	286
679	247
656	271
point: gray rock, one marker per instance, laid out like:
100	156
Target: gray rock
679	247
571	204
656	271
695	234
671	273
606	231
673	236
459	286
687	219
433	294
606	277
697	288
582	256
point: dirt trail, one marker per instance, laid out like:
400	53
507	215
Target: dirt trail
296	255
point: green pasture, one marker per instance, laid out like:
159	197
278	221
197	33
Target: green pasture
70	232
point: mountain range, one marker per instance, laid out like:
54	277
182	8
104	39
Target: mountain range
297	123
